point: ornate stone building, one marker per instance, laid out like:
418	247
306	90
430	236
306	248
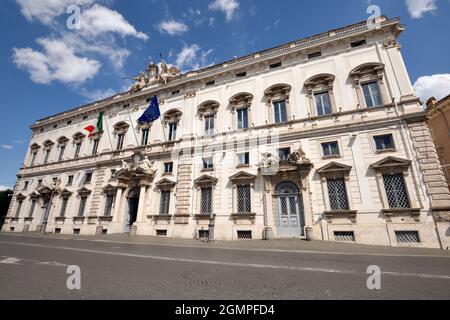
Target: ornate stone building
320	138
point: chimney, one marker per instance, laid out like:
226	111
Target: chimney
431	102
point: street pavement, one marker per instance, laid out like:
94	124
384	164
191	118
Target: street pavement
120	267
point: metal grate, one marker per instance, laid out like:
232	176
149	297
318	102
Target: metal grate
338	194
407	236
161	233
244	235
206	203
105	231
203	234
76	231
244	201
165	202
396	191
344	236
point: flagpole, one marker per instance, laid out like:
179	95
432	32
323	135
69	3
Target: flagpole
134	130
109	134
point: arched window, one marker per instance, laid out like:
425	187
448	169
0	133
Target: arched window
171	119
241	106
278	103
321	94
287	188
369	83
120	130
207	112
78	141
48	145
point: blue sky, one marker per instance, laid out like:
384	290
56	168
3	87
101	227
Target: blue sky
47	67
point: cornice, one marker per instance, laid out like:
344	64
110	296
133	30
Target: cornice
225	67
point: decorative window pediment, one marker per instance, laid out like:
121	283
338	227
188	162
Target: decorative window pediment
34	195
391	165
109	190
165	184
241	99
323	80
121	127
44	191
278	91
84	192
48	144
65	193
173	115
35	147
367	69
243	177
20	197
206	180
209	107
334	169
78	137
62	140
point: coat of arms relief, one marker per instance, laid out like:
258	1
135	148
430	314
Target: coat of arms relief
154	74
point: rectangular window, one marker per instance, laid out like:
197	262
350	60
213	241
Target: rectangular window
168	167
407	236
62	212
120	140
165	203
206	201
210	83
244	203
323	103
280	112
208	164
47	155
33	158
284	153
358	43
39	183
161	233
95	147
244	159
76	231
344	236
82	207
242	118
70	181
62	149
330	149
337	193
275	65
173	131
241	75
25	186
109	204
19	208
396	192
384	142
77	150
144	140
88	178
209	125
372	94
244	235
175	92
314	55
32	207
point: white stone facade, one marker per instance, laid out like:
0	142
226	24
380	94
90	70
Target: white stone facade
291	198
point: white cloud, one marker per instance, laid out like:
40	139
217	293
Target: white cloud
417	8
46	10
6	146
97	94
173	27
437	85
229	7
4	188
58	62
98	20
192	57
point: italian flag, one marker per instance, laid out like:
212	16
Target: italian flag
93	130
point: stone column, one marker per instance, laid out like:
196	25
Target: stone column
141	207
117	205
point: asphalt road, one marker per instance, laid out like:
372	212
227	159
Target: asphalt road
36	268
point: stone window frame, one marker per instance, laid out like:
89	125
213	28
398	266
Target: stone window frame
65	196
20	198
62	145
243	179
34	150
335	170
239	101
209	108
170	117
47	148
78	138
109	191
320	143
369	72
83	193
120	129
205	181
394	165
372	136
276	93
323	82
166	185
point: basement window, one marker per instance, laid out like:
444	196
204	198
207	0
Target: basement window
161	233
58	231
76	231
203	234
105	231
358	43
244	235
344	236
12	229
241	75
314	55
407	236
175	92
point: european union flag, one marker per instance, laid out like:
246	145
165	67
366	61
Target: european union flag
152	113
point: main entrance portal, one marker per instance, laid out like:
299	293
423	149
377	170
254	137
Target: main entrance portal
133	205
290	220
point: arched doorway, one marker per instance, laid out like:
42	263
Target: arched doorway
133	205
290	220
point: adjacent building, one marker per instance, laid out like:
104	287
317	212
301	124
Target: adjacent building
439	123
321	138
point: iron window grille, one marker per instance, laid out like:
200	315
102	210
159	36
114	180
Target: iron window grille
396	191
203	234
337	193
165	203
407	236
206	200
244	235
161	233
244	204
344	236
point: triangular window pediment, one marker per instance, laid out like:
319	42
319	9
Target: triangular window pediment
206	179
243	176
334	167
391	162
84	191
166	184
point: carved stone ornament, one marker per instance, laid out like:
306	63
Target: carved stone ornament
142	168
299	158
268	161
154	74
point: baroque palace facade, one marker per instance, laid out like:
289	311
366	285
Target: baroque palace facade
321	138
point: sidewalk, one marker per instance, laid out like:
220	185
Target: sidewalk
253	245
